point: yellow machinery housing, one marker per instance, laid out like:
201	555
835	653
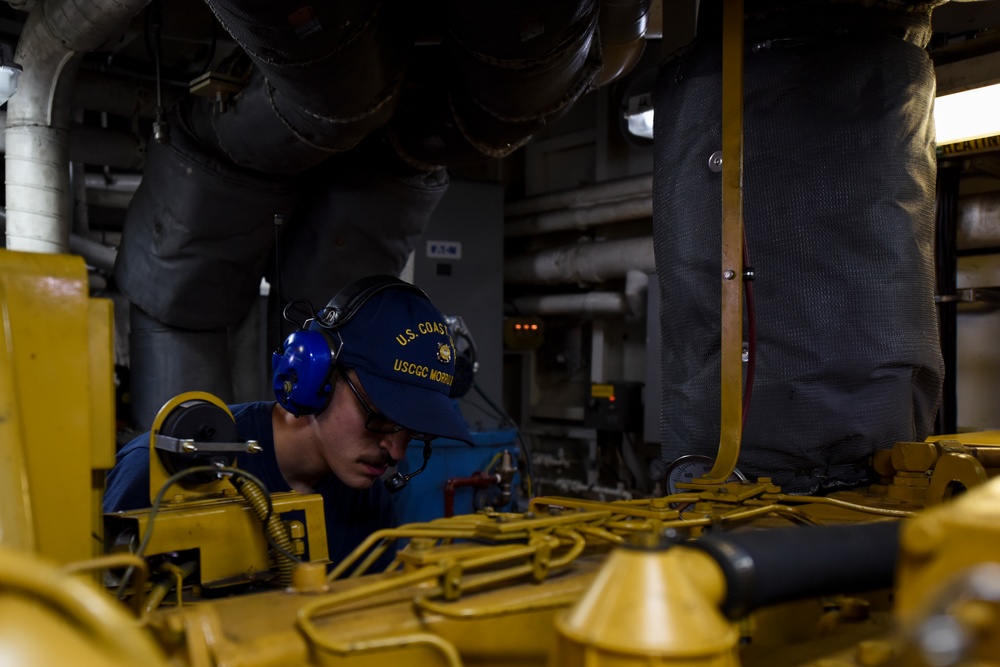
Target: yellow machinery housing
570	582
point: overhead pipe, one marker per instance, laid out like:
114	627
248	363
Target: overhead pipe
38	115
514	71
580	218
605	191
95	253
582	263
588	303
623	37
293	114
630	303
99	146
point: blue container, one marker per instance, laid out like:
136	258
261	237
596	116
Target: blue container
423	498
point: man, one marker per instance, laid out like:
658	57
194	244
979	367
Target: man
370	372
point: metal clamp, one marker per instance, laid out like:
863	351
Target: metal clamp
190	446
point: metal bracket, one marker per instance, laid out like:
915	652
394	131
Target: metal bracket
190	446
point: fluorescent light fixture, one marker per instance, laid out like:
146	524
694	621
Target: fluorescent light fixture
970	114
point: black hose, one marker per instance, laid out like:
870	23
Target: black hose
768	567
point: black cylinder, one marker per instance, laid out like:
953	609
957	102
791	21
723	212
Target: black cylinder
771	566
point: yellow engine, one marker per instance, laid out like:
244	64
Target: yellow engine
906	572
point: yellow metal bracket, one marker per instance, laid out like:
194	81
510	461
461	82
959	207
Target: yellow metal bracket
731	423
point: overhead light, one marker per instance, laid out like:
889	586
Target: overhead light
640	124
637	108
9	73
970	114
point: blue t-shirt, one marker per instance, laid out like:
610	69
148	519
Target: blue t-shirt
351	514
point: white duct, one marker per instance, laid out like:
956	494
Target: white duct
37	132
94	145
586	263
589	303
606	191
631	303
580	218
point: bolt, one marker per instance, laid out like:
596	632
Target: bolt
715	161
729	274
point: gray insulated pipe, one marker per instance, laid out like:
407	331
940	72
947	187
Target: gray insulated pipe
293	112
509	69
838	207
197	236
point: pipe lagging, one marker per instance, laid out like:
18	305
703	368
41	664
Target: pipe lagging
583	263
580	218
767	567
589	303
37	175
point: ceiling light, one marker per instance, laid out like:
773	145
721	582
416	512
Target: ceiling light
9	73
970	114
640	123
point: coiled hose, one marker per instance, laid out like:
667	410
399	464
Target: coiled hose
275	529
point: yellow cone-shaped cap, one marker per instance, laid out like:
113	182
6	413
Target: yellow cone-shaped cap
649	606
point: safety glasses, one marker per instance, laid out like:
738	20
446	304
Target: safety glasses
376	422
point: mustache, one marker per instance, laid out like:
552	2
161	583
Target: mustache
379	461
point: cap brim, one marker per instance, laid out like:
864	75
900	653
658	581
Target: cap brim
416	408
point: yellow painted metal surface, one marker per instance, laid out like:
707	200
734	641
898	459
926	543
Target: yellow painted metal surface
158	474
675	622
226	533
57	370
731	354
51	618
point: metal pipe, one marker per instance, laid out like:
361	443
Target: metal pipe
583	263
623	188
96	254
478	480
590	303
36	135
977	221
580	218
99	146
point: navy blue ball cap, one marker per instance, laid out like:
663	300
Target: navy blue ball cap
402	351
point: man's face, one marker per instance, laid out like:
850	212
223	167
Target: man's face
355	454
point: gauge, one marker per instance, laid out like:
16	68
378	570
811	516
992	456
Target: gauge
691	467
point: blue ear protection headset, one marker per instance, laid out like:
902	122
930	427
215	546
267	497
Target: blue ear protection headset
303	367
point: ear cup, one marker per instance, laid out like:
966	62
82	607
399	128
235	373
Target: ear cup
303	367
302	370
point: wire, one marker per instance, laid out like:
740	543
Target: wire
504	417
310	311
751	332
529	472
158	500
